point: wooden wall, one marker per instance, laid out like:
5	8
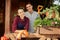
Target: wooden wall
2	17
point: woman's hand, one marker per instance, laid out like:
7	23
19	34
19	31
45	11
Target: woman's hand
18	31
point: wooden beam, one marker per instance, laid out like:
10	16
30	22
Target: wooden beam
7	16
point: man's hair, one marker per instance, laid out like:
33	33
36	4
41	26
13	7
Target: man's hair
28	3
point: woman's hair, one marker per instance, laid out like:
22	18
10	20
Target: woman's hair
21	8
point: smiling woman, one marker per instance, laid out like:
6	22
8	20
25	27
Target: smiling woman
21	22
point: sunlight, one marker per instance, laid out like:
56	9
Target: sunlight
56	2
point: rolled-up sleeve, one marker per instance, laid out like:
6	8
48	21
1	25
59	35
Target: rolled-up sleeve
14	24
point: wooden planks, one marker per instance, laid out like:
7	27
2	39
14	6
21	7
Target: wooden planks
50	30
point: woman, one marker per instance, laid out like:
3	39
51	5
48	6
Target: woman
20	24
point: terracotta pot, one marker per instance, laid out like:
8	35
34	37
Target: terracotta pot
4	38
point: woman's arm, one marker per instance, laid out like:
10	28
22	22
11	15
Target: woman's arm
14	25
27	24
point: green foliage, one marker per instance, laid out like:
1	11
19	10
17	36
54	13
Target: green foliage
57	22
46	21
37	21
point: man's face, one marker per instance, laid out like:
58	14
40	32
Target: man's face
21	12
29	7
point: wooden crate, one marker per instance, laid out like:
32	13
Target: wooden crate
50	32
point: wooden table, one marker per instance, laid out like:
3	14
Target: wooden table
46	33
32	36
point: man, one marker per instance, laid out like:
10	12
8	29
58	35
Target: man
32	15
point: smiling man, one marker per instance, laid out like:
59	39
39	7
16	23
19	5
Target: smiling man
32	15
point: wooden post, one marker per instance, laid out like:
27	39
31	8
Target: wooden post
7	16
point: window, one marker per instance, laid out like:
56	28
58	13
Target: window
57	2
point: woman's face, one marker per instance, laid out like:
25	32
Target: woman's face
21	12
